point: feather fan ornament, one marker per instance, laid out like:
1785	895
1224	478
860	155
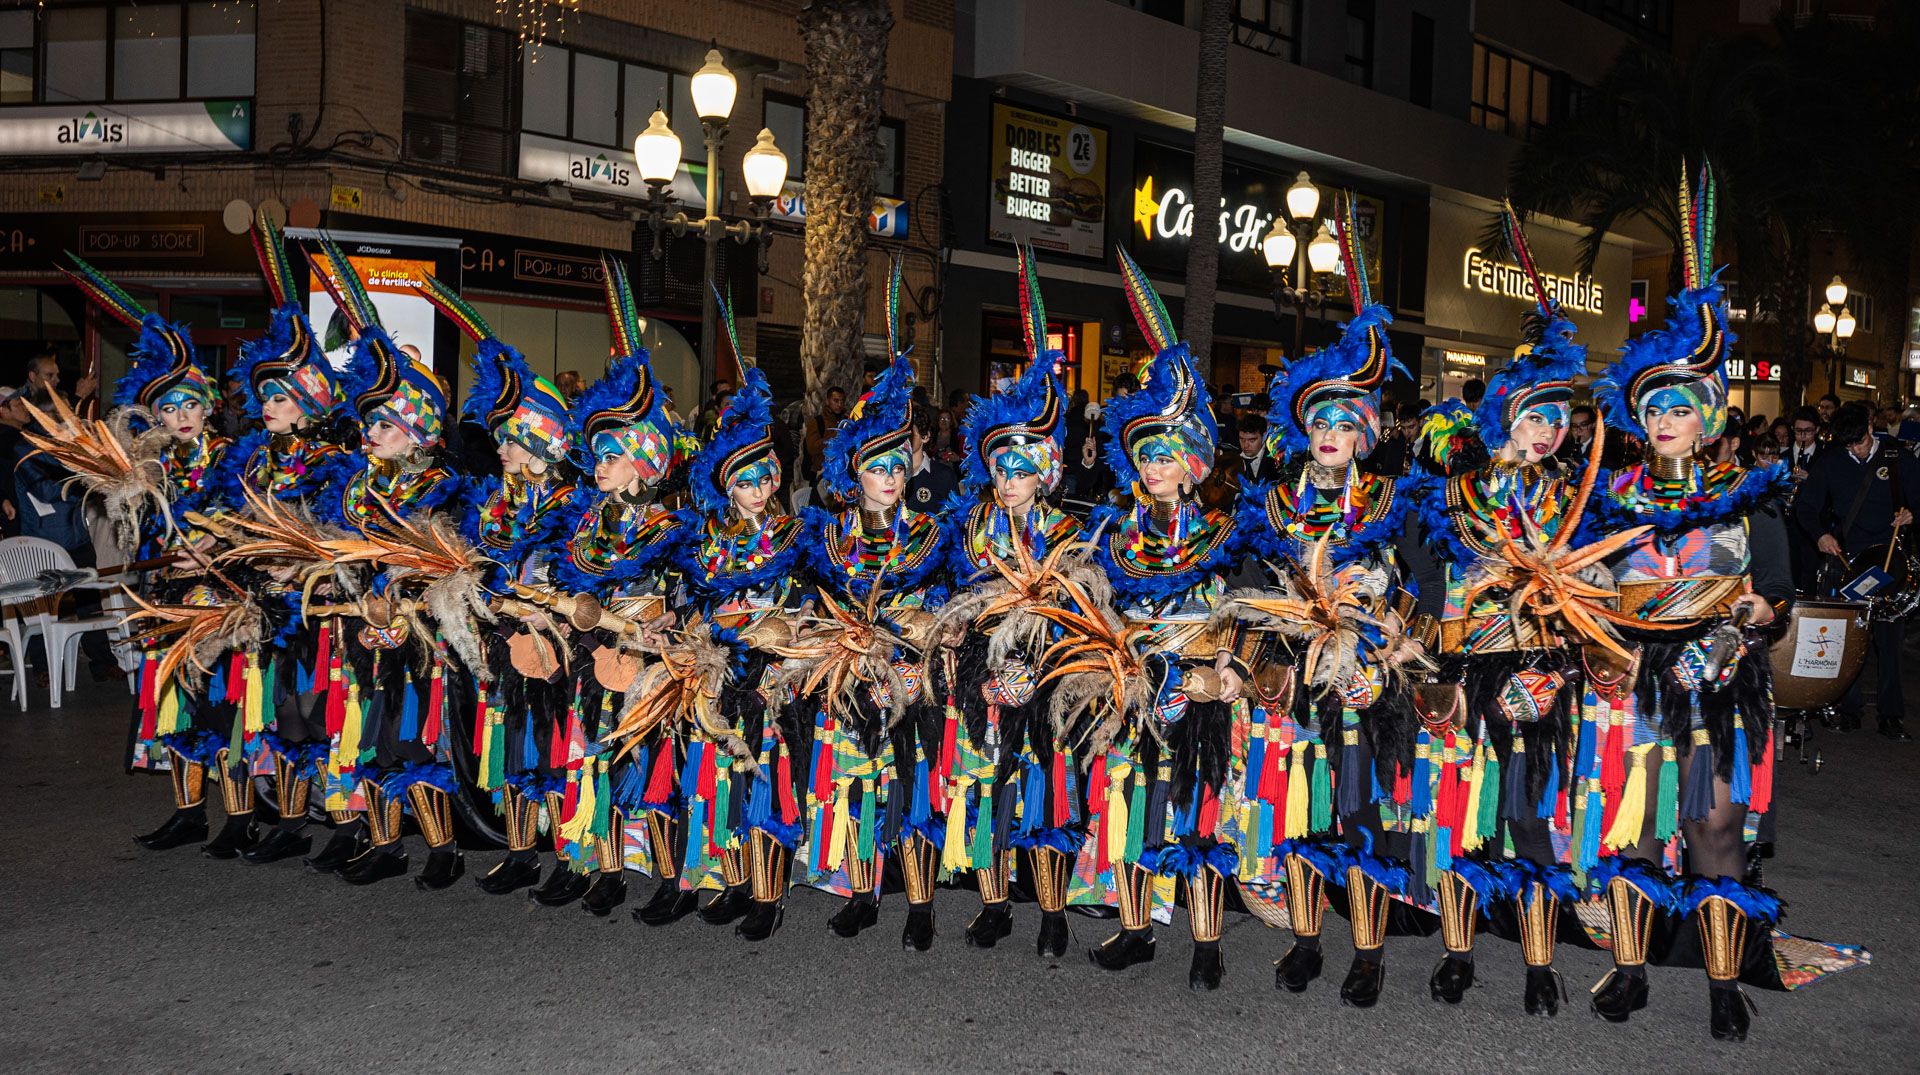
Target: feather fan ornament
125	469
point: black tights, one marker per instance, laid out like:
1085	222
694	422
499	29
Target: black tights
1716	845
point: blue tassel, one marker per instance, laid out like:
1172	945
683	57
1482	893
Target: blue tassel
922	811
1349	793
1696	799
1550	795
409	714
1742	776
302	678
1592	820
1417	889
529	747
1420	802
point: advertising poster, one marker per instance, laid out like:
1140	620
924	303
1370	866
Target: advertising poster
1049	182
391	268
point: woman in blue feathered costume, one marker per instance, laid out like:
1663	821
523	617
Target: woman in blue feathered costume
618	555
1684	749
408	704
1159	764
514	519
874	740
1012	782
309	433
1502	737
1326	526
740	571
166	387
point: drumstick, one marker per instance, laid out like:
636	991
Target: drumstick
1892	542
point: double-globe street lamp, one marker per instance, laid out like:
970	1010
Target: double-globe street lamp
1837	328
1286	245
656	151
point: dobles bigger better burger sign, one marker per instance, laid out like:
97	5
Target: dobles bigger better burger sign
1049	182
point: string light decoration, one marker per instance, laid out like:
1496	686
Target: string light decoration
534	20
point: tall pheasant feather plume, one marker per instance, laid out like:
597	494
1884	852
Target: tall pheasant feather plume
1148	311
621	310
732	330
1359	288
454	308
270	249
894	346
104	293
1033	310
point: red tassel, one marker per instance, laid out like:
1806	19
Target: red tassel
480	718
1560	809
149	696
1273	774
1446	800
1613	760
823	765
1402	784
336	696
237	677
1760	800
709	776
1059	815
1209	813
436	695
1097	808
783	772
323	651
660	781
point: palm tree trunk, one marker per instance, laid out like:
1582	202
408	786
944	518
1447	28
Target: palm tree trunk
1796	327
1209	119
846	57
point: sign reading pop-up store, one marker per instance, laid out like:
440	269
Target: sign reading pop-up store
171	126
1049	182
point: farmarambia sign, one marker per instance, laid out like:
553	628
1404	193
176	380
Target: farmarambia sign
88	129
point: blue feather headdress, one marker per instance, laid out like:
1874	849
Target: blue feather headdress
742	438
290	355
1690	353
882	421
1542	369
1352	370
627	402
1032	412
162	359
1172	399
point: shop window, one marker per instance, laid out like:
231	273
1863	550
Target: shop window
1510	95
129	52
457	94
786	117
596	99
1269	26
1358	63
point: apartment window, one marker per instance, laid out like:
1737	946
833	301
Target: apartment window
1420	62
457	95
1269	26
786	117
572	94
16	57
1358	63
1171	10
1862	306
129	52
1510	94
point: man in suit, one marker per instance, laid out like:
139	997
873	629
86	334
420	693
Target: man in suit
1855	494
1802	449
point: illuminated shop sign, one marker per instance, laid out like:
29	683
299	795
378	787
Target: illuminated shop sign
1481	273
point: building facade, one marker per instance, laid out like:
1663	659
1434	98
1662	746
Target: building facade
1415	106
484	142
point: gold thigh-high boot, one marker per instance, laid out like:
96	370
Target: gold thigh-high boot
236	795
609	888
522	864
736	898
919	866
1206	909
1052	876
1459	919
188	822
1368	902
567	880
1725	931
768	861
862	908
433	810
1538	911
995	919
1306	909
385	858
293	785
1133	887
1632	912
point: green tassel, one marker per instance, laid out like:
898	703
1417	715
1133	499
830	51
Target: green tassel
1668	804
602	800
980	850
1320	803
722	800
866	820
1136	819
1490	794
267	711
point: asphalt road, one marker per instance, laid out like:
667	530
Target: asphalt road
119	959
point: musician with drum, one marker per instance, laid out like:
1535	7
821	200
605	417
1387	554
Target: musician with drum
1854	505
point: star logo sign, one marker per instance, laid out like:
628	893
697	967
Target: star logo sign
1145	208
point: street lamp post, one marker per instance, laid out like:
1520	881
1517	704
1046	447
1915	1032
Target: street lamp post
1837	328
1286	247
656	151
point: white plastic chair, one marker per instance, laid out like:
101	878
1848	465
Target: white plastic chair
13	636
24	557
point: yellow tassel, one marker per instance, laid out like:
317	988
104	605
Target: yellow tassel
1632	815
1299	792
577	828
168	722
837	843
1117	816
953	855
255	700
1471	836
